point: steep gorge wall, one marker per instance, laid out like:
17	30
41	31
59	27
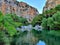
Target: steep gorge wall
51	4
19	8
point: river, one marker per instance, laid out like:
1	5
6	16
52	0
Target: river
37	37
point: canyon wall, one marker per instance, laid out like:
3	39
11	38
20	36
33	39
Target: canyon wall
19	8
51	4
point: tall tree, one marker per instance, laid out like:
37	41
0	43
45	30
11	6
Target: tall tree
44	23
50	23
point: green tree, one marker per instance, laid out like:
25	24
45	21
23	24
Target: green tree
19	19
49	13
57	7
9	25
44	23
50	23
1	21
56	18
37	20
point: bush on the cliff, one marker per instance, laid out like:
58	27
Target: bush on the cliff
37	20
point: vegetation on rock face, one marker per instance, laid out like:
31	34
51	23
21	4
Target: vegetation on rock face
53	19
57	7
49	13
50	19
37	20
8	25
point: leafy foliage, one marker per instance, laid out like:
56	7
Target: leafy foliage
37	20
56	18
8	25
50	22
53	18
44	23
57	7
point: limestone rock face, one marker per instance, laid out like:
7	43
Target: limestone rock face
19	8
51	4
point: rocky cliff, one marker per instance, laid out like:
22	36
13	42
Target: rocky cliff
19	8
51	4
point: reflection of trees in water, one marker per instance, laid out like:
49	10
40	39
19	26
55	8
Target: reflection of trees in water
33	37
28	39
50	39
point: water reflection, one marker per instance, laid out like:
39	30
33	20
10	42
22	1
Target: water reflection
35	37
41	43
32	36
28	39
30	27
